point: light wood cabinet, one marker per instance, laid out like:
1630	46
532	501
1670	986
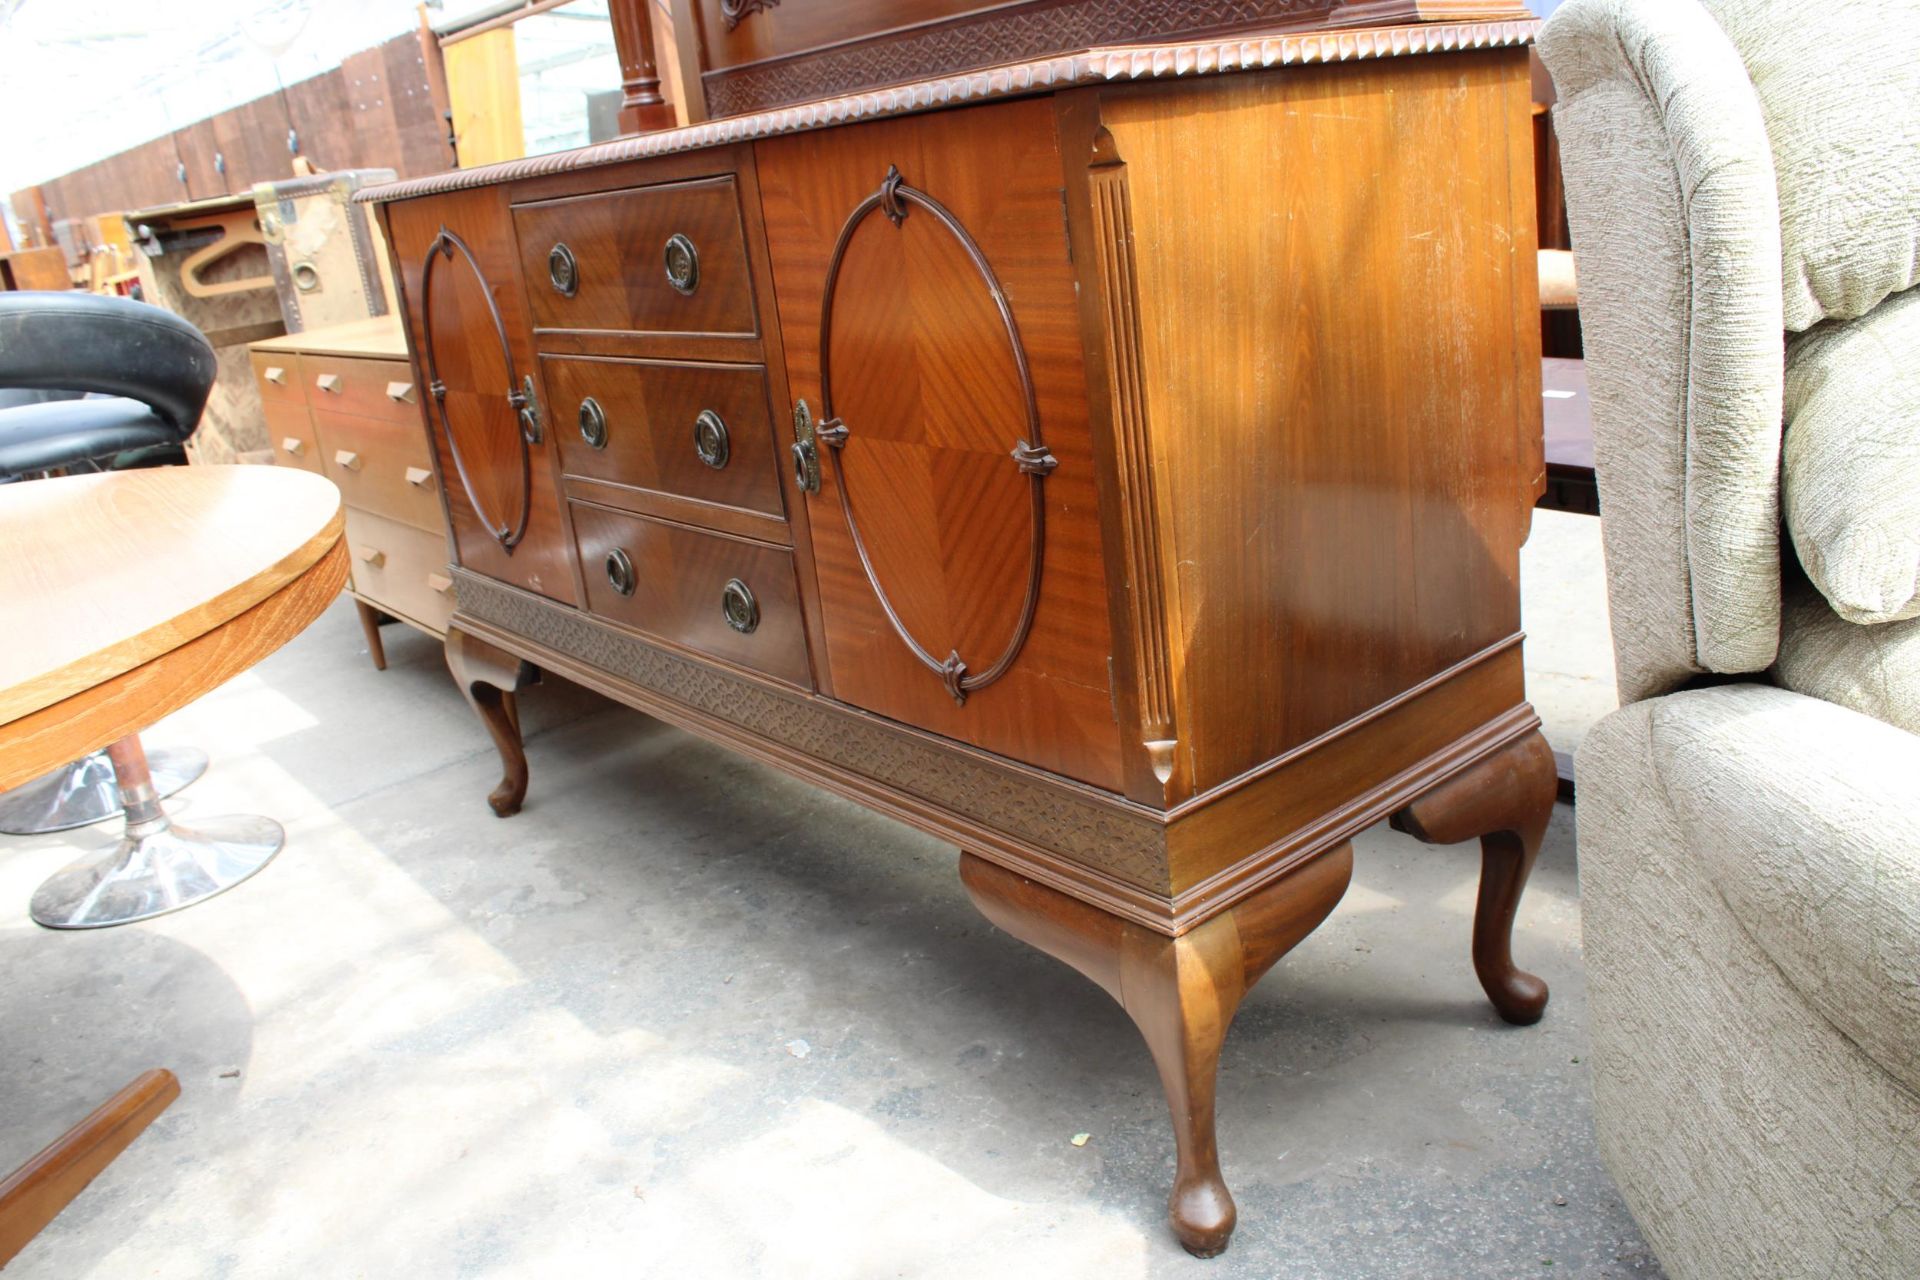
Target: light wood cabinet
343	402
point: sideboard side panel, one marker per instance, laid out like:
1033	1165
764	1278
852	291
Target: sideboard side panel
1328	332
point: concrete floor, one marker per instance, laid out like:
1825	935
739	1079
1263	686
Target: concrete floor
685	1017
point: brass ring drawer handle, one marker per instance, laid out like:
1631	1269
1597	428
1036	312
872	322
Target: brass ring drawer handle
683	264
593	423
620	572
563	271
740	609
710	439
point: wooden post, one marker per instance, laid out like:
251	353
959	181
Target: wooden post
643	109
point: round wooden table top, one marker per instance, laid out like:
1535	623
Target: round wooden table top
126	595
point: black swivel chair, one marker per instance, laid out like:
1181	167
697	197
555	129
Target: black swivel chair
90	383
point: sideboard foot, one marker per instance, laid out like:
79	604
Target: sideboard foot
1506	800
1180	992
488	677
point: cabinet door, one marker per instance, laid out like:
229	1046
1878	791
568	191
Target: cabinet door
467	328
927	310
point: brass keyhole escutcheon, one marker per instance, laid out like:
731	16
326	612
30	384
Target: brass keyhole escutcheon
593	423
710	439
683	264
741	609
620	572
563	272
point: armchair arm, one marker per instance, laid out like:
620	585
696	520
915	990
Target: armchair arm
114	346
1675	218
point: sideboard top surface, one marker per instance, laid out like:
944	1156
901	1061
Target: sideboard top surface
1113	65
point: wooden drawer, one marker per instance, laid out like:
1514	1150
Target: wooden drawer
290	431
654	432
400	568
370	388
380	467
278	374
680	576
618	245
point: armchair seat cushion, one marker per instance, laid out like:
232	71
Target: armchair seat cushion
1806	816
1874	670
1850	465
41	437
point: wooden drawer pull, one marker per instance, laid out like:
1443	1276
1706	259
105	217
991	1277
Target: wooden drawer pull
328	382
294	445
276	375
418	475
440	582
400	391
347	458
372	557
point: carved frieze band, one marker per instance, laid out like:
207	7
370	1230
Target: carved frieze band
1059	818
1013	31
1153	598
1092	66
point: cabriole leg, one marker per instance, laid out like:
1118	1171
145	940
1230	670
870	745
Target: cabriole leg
1181	992
488	677
1506	799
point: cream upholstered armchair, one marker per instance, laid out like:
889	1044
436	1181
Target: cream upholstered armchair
1744	183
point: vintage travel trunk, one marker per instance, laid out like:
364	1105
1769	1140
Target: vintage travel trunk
328	267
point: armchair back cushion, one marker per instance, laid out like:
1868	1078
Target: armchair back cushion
1839	88
1873	670
1850	470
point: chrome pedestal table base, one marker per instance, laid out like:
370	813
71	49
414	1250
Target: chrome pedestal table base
84	792
157	867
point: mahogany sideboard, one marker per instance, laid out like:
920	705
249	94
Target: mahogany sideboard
1114	464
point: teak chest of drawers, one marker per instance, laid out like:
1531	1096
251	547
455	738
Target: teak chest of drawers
342	402
1115	465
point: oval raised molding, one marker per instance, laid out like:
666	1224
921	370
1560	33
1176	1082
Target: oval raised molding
451	247
1029	454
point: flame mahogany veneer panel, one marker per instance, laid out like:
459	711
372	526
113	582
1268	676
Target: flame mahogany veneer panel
926	380
474	368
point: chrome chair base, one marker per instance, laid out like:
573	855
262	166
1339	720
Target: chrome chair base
85	792
161	869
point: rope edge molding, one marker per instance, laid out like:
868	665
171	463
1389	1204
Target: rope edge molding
1131	63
